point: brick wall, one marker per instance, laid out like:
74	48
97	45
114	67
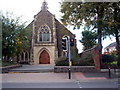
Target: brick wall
59	69
95	54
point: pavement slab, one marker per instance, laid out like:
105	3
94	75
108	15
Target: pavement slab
58	80
35	77
55	77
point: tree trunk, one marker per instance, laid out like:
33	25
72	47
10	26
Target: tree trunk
116	12
100	45
117	46
100	16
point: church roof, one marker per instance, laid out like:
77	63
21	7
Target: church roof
64	29
44	8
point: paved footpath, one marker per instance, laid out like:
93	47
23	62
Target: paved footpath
35	77
58	80
55	77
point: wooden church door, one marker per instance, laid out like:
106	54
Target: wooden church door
44	58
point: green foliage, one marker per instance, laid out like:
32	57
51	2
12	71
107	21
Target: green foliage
86	63
112	23
114	54
14	35
88	39
114	63
90	14
86	59
75	12
62	61
6	63
111	19
74	53
107	58
101	15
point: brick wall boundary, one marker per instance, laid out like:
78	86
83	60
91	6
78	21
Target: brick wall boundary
59	69
95	54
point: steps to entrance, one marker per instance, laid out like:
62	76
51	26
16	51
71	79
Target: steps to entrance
32	69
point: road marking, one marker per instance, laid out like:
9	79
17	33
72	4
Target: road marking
78	82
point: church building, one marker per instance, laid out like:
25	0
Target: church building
46	38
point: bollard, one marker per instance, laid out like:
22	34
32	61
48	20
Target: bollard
69	72
109	72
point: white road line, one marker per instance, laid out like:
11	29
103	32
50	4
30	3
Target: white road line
79	84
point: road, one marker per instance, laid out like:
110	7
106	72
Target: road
76	84
58	80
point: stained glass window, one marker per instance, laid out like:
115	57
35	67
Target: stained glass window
44	34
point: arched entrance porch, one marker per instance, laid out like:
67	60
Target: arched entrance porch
44	57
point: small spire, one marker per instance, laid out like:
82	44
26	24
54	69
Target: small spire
44	6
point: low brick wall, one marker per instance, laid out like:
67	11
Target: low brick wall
59	69
5	69
95	54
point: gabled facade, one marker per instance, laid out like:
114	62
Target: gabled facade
110	48
46	40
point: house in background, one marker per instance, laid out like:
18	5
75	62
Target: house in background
110	48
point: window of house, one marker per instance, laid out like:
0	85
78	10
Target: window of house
44	34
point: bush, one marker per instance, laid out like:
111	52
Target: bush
62	61
107	59
114	54
6	63
86	59
86	63
75	63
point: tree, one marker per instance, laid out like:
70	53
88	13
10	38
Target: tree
88	39
91	13
14	36
112	21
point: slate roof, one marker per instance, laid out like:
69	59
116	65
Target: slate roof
111	45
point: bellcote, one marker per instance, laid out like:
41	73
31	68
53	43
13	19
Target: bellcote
44	6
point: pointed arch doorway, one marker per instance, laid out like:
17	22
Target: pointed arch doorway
44	57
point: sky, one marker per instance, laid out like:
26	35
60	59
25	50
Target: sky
26	9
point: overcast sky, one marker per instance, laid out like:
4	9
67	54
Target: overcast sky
28	8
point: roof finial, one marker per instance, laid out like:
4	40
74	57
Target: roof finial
44	5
